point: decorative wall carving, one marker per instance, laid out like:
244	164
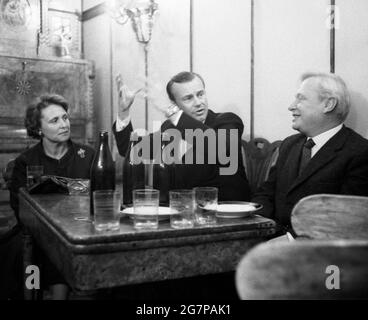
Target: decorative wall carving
15	13
19	24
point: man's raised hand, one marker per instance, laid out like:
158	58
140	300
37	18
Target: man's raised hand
125	95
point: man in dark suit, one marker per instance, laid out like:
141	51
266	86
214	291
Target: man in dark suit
325	157
189	113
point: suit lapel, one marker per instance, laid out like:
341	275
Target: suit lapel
183	147
324	156
292	161
210	119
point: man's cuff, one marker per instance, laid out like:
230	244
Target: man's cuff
122	124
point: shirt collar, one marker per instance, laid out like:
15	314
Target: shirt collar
321	139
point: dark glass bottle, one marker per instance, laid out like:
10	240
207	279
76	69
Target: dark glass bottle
152	172
102	174
163	172
133	171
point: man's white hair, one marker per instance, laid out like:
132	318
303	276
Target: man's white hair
332	86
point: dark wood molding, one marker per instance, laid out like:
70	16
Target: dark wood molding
94	12
252	59
332	36
29	59
112	78
191	36
76	12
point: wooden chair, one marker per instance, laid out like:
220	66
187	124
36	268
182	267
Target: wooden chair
328	216
305	270
11	243
7	218
258	157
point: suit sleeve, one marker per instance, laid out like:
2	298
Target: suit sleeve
122	138
265	195
356	178
227	123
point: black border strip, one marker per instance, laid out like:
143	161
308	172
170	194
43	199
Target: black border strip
191	36
332	36
252	60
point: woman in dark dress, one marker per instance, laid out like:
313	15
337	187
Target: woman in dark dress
47	119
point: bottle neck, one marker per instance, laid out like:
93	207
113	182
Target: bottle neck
104	140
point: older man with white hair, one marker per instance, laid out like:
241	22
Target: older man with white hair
325	157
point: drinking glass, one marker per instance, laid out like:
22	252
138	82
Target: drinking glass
206	205
34	174
106	209
145	204
136	176
182	209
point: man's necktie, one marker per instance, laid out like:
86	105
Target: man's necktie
306	154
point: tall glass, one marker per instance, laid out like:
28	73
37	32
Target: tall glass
145	204
206	205
34	174
106	209
182	209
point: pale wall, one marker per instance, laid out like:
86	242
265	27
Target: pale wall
67	5
351	59
221	54
97	45
291	37
87	4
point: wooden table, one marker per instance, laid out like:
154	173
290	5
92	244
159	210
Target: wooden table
90	260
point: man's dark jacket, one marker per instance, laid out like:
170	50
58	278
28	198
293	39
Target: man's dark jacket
339	167
231	187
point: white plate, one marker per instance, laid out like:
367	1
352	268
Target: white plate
236	209
163	212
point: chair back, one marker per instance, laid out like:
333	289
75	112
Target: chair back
7	217
304	270
258	157
328	216
8	172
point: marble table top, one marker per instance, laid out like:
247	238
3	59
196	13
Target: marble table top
91	260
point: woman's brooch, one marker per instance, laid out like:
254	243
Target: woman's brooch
82	153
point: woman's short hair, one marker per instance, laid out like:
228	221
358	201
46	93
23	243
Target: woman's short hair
332	86
32	121
181	77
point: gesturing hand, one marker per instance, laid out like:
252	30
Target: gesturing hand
125	95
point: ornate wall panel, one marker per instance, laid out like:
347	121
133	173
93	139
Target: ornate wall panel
19	25
21	80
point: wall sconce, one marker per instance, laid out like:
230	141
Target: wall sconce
141	13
